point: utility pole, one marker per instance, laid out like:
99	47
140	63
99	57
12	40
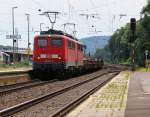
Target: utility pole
16	33
13	28
28	47
49	14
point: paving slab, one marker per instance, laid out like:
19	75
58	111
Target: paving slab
109	101
138	103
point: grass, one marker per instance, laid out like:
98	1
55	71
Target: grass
142	69
16	65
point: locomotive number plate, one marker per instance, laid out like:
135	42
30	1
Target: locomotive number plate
43	55
54	55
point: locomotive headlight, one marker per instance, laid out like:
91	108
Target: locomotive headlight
38	57
59	58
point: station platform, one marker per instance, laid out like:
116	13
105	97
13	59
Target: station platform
127	95
23	69
138	101
109	101
13	76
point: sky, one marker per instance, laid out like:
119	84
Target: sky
104	16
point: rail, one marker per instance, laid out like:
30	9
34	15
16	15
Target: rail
12	110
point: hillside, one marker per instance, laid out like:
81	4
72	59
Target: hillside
95	42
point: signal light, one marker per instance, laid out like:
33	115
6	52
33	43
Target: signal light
133	24
15	40
132	37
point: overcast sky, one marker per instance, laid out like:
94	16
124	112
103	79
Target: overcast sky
107	19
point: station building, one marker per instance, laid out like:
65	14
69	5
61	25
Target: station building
6	56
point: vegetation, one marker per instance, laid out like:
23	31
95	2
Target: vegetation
142	69
16	65
103	53
119	47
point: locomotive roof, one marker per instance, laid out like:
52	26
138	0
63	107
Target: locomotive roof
52	32
57	32
54	35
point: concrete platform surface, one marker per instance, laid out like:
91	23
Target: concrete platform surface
138	103
109	101
15	69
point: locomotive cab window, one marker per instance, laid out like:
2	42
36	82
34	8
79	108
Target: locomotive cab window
56	42
80	47
42	42
71	44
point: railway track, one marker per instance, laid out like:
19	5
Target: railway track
6	87
19	107
21	86
25	85
66	109
15	96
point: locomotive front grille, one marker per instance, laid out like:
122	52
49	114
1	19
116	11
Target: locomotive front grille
53	66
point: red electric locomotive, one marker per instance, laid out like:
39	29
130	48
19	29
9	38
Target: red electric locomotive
56	51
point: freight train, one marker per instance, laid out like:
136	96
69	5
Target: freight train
58	52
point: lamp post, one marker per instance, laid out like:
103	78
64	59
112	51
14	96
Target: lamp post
13	28
28	47
41	26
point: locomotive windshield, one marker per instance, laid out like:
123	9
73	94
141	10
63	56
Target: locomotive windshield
56	42
42	42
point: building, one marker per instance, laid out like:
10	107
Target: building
4	57
21	55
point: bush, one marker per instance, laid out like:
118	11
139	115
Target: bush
22	64
16	65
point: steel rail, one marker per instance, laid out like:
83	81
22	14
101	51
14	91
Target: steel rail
17	108
13	89
40	83
66	109
17	84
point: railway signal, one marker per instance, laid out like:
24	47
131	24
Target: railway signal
132	40
133	24
133	30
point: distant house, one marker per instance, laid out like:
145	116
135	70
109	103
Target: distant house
4	57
